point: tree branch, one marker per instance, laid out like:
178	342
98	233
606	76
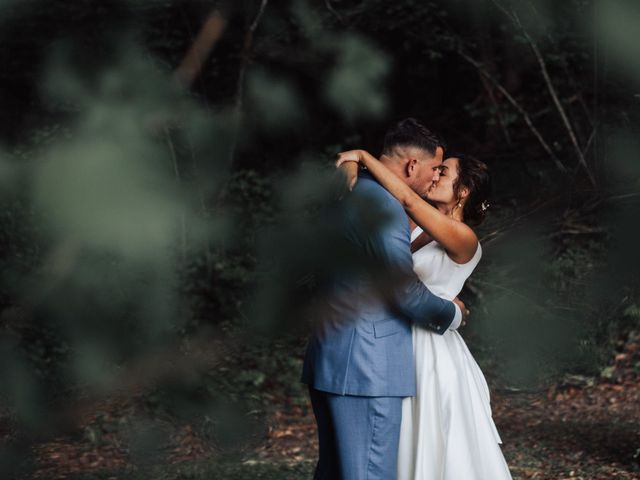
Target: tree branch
525	115
333	11
200	50
237	109
552	91
246	54
496	105
565	66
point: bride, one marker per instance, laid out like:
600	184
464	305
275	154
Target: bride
447	431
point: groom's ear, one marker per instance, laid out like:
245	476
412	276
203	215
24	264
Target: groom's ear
411	167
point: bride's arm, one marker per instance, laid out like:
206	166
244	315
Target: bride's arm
457	238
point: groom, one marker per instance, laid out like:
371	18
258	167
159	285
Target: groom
359	362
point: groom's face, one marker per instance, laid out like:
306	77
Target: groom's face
424	169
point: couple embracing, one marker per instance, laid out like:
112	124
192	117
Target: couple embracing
394	389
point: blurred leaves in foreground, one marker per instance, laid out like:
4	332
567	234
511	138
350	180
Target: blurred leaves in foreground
158	246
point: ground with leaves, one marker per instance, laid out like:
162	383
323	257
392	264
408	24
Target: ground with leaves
579	428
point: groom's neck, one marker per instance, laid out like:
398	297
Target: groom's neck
393	164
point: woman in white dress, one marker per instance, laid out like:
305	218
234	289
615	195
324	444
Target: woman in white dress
447	431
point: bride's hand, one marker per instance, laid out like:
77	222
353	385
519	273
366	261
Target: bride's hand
463	309
357	156
348	163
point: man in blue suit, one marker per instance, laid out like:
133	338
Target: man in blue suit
359	362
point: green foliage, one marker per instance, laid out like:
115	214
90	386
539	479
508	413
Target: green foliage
355	85
276	101
615	27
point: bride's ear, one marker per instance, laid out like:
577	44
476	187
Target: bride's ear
464	193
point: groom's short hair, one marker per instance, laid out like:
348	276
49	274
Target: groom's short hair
410	133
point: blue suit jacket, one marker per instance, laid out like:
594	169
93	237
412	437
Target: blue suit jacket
362	342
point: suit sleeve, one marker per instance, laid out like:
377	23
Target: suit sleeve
391	247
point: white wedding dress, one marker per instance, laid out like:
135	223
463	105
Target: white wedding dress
447	431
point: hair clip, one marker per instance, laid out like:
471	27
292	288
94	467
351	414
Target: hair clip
484	206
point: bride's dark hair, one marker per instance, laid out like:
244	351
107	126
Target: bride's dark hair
474	175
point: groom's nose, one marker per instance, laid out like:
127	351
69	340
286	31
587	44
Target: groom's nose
436	175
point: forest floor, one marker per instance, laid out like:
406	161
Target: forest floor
579	428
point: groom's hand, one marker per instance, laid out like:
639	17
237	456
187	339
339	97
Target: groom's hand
465	311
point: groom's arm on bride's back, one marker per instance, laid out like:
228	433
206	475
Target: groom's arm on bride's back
390	244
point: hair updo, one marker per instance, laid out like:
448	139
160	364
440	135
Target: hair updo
474	175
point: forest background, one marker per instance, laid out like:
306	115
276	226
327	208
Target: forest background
161	167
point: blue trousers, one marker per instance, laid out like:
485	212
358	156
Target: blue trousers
358	436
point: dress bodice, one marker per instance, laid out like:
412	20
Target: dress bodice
444	277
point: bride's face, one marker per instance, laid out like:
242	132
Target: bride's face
442	191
